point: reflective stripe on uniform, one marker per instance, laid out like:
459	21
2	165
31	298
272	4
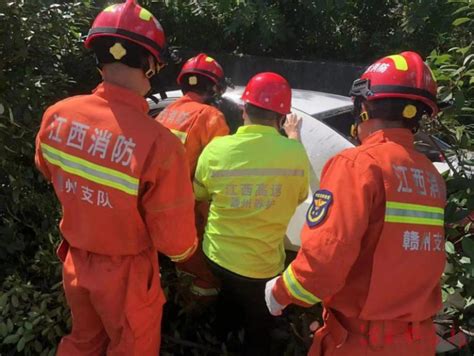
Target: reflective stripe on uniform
406	213
296	289
180	134
90	171
274	172
184	255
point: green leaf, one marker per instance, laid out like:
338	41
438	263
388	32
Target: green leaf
444	295
460	21
38	347
3	299
443	58
450	247
15	302
9	325
461	9
11	339
21	344
3	329
467	59
459	132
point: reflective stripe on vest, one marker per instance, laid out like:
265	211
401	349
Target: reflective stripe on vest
296	289
180	134
273	172
90	171
405	213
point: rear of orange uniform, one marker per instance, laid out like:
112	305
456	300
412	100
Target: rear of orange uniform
195	124
123	185
373	250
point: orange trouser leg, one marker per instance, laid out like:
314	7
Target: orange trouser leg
357	345
116	304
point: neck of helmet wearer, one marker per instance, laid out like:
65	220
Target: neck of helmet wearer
254	115
127	77
367	128
386	114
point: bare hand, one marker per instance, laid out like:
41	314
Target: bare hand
292	126
314	326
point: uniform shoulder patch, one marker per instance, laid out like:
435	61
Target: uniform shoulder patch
319	207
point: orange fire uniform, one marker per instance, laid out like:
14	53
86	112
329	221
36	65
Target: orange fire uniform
373	250
195	124
123	184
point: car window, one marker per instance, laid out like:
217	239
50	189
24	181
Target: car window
156	108
341	122
430	146
232	113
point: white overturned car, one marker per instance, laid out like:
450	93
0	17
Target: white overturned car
327	119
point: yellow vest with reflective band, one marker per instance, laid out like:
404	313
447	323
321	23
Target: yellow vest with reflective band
254	179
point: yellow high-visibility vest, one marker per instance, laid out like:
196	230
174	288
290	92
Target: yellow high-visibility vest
254	180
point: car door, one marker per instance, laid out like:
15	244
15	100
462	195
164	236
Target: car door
321	142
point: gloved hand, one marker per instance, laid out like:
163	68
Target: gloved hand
273	306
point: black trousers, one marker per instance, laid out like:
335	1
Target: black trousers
241	303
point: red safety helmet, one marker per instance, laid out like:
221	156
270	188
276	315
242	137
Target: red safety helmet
269	91
204	65
403	75
131	22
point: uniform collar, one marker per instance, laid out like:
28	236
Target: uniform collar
194	97
403	137
110	91
261	129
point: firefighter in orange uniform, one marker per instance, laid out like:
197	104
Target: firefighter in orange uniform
190	118
373	244
196	123
122	180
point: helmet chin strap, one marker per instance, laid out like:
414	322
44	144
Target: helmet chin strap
360	116
153	69
150	73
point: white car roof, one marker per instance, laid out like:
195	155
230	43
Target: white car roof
312	103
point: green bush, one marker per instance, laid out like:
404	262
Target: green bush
454	70
357	31
42	62
33	319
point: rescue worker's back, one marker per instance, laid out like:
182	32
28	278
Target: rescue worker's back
194	123
373	242
103	154
256	179
350	283
123	183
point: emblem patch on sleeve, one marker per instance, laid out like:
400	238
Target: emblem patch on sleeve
318	210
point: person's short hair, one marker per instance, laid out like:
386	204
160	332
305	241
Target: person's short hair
406	111
113	49
256	113
196	83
